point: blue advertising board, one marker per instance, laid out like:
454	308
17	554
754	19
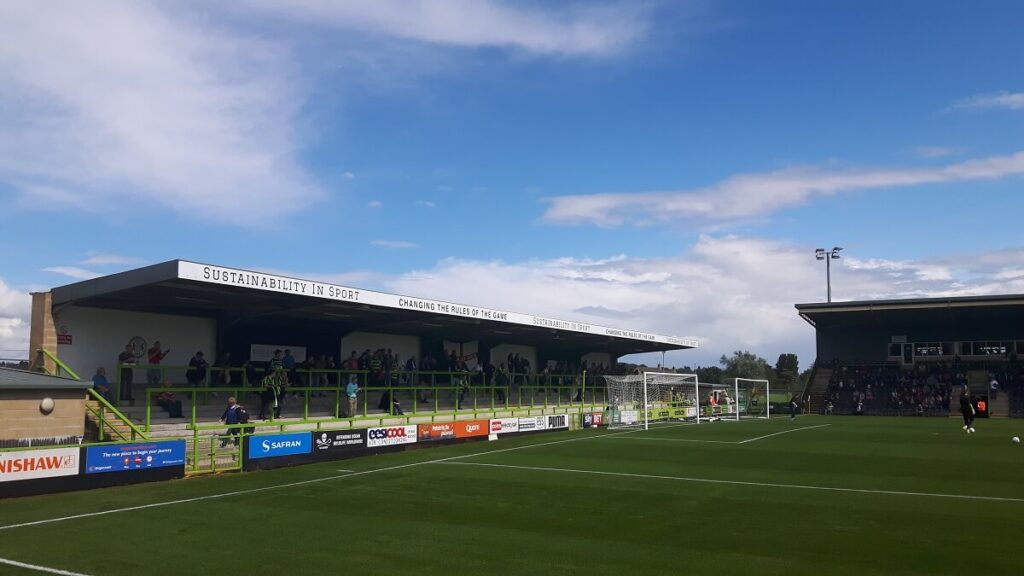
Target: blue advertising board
271	445
121	457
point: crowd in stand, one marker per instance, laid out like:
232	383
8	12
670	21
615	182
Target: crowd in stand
924	389
275	381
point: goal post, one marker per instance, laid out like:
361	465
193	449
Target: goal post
753	398
651	398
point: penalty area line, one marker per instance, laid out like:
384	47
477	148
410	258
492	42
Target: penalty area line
38	568
783	432
739	482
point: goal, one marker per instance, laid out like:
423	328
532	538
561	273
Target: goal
752	398
651	398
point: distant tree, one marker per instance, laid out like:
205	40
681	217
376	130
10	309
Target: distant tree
787	370
745	364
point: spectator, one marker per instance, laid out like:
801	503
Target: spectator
352	363
275	362
993	387
230	418
224	371
274	384
100	384
155	355
126	360
169	402
196	374
351	396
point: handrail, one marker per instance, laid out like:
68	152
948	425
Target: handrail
103	402
60	365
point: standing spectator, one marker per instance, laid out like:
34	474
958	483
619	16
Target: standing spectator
126	360
154	355
321	365
276	361
223	371
273	392
352	363
230	417
351	396
993	387
100	384
196	374
288	363
251	379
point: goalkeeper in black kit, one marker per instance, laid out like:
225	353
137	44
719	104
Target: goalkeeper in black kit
967	409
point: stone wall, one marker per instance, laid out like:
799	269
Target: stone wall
21	419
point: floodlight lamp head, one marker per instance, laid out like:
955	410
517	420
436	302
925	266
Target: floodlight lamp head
819	253
835	252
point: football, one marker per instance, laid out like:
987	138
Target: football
1015	439
46	405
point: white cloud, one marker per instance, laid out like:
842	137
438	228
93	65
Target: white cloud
348	176
426	203
73	272
444	188
730	292
396	244
1011	100
374	203
102	259
116	102
560	30
760	194
15	308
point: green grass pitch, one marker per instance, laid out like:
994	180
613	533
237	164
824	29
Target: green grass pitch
816	495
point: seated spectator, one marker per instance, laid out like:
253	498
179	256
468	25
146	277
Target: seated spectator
100	384
169	402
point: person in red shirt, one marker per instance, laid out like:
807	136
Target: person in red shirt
155	355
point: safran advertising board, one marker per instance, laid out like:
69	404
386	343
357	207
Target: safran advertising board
122	457
272	445
35	464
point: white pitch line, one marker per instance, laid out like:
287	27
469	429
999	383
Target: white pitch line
676	440
781	433
737	482
293	484
17	564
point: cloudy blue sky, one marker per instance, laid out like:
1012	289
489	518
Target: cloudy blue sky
666	166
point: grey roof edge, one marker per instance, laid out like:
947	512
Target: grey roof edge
911	303
14	379
136	277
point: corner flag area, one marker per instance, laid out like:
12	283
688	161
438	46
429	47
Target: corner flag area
812	496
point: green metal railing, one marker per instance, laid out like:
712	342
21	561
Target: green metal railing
475	400
60	365
103	408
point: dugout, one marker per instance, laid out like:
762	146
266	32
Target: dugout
976	329
190	306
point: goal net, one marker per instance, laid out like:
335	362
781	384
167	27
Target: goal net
651	398
752	397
